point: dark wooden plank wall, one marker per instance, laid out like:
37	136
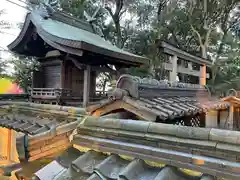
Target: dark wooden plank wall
63	74
77	81
52	74
93	84
74	80
38	79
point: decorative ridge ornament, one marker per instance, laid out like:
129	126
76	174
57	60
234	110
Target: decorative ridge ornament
137	87
159	83
92	19
46	8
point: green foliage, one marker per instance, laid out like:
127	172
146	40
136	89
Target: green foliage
140	71
136	25
23	71
2	66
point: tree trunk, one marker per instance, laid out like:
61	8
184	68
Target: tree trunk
215	68
204	51
104	85
119	34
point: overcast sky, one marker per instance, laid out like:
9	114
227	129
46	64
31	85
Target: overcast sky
14	15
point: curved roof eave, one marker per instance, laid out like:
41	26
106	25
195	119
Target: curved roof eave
22	33
52	36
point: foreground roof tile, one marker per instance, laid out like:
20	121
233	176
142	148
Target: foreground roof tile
99	166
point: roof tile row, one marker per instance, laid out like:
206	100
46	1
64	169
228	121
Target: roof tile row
24	126
94	165
154	100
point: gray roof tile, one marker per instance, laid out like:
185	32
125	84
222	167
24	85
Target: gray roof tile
97	166
138	169
87	162
23	125
111	166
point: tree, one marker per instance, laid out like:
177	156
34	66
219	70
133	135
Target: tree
3	25
204	28
23	71
2	67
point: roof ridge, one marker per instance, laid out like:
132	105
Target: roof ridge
137	87
160	83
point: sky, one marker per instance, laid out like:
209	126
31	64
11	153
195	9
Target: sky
13	14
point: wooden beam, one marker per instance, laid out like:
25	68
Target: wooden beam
62	74
86	86
52	62
231	117
102	69
173	73
173	51
183	70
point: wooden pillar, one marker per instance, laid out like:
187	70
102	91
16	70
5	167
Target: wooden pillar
224	115
203	70
173	73
93	83
86	85
62	74
211	119
231	117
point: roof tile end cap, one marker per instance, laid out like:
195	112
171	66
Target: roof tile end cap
226	136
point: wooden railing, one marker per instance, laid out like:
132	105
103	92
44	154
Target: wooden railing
53	92
49	93
101	93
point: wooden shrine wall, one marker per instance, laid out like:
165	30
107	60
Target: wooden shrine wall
52	76
74	80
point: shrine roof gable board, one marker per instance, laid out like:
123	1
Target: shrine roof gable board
41	34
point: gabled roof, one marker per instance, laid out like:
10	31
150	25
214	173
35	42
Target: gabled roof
232	99
45	129
154	100
69	35
34	119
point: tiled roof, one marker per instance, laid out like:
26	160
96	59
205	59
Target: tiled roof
35	119
26	126
174	107
200	149
45	129
154	100
94	165
59	32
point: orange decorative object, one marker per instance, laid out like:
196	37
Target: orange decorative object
203	75
8	151
8	87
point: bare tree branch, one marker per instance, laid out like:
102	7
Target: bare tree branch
119	6
198	34
122	12
109	11
207	37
